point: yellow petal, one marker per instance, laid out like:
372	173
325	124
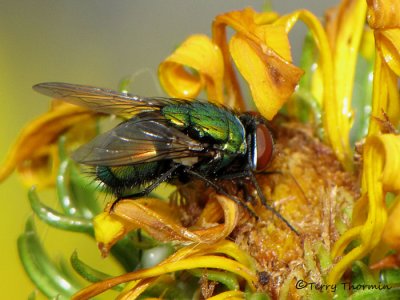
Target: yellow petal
380	174
346	28
262	55
391	233
388	44
231	295
385	95
216	233
159	219
391	155
31	150
383	14
335	117
271	79
237	20
200	54
108	230
208	261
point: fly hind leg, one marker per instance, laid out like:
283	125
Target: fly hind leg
150	188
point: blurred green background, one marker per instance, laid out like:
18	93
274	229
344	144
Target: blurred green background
87	42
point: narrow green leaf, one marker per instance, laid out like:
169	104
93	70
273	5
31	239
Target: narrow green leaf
70	205
387	293
390	276
361	274
257	296
126	253
89	273
362	95
39	267
226	278
85	190
57	220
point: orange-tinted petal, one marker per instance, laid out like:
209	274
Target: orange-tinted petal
32	150
383	14
271	79
190	257
391	233
200	54
262	55
159	219
389	47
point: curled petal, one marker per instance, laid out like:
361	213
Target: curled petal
208	261
391	233
385	95
389	149
159	220
271	79
108	230
231	213
383	14
388	45
134	289
380	174
200	54
33	150
261	51
190	257
156	217
336	118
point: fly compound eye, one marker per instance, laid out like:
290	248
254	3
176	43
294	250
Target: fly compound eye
265	145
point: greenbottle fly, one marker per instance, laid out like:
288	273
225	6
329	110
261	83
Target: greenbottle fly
167	138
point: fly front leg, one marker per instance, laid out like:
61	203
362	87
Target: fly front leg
221	191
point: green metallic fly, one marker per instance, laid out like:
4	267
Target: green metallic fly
166	138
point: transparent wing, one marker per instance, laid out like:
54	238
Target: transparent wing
102	100
144	138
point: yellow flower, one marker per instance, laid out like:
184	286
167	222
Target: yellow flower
261	51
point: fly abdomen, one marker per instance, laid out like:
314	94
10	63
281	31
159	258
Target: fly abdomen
121	179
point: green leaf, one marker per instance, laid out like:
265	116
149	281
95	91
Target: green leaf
377	292
390	276
362	95
57	220
226	278
89	273
307	106
39	267
71	205
126	253
361	274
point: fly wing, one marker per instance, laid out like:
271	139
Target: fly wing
102	100
145	138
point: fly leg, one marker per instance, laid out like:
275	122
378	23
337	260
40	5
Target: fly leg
242	186
266	205
150	188
221	191
249	174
